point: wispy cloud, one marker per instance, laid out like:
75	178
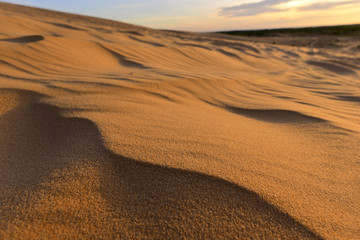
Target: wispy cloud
324	5
267	6
249	9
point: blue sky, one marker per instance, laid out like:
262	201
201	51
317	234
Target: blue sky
212	15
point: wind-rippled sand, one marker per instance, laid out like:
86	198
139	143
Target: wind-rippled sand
109	130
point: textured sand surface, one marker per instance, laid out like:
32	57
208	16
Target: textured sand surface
109	130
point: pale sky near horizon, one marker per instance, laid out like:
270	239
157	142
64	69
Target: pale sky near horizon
212	15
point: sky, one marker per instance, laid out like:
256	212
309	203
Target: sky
212	15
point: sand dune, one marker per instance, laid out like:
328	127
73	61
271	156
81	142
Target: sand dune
109	130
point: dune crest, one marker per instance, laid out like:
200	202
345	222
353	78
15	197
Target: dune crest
86	184
274	115
113	130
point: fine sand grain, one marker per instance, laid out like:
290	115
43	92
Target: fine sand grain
109	130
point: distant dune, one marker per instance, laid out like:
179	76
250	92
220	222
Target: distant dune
340	30
110	130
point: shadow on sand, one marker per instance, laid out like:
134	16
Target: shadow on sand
148	200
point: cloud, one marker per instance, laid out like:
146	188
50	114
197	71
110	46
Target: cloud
267	6
250	9
324	5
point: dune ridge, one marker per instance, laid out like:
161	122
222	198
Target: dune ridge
113	130
141	199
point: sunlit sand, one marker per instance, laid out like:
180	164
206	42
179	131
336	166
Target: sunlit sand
109	130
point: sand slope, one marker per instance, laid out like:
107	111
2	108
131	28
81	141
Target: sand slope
112	130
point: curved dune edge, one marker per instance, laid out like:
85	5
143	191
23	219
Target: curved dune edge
8	101
332	67
275	115
105	195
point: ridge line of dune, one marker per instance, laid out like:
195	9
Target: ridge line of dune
176	188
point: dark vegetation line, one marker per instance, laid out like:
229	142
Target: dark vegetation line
342	30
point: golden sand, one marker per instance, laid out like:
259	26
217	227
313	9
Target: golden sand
109	130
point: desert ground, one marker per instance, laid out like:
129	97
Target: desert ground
115	131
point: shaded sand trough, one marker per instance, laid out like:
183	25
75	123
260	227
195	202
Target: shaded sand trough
112	130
